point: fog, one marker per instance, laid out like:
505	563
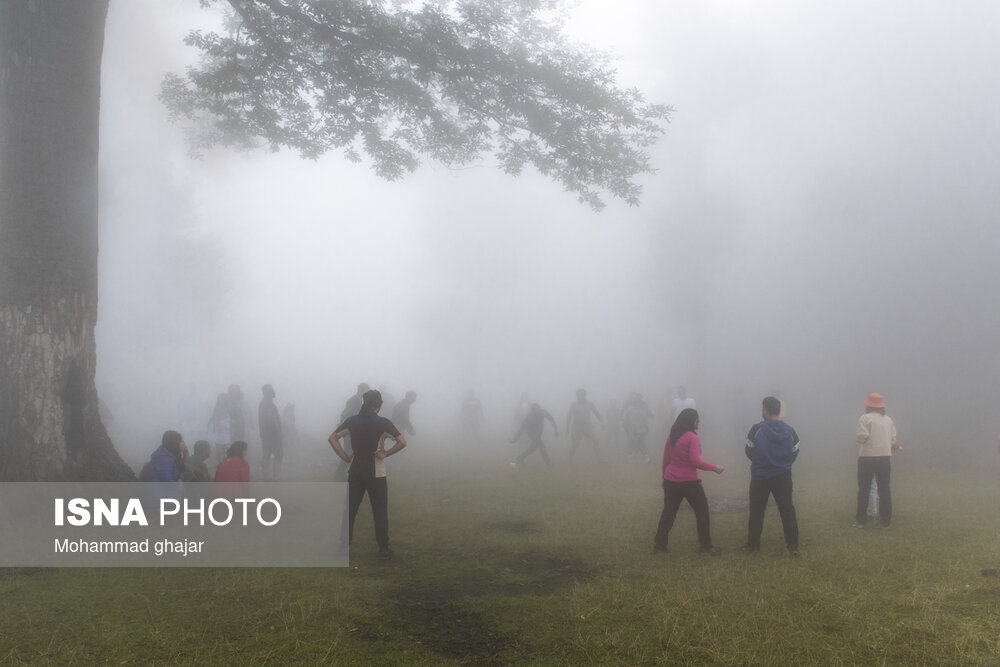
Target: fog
821	224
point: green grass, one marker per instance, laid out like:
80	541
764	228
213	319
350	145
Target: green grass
501	566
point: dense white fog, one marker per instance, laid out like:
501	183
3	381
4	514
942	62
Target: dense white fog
821	224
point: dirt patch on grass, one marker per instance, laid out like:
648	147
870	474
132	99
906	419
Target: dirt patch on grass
544	573
442	615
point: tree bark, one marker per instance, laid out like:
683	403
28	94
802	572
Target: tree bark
50	82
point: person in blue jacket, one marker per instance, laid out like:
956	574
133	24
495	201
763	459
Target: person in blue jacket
772	447
168	462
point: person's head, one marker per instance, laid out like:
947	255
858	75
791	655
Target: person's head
686	421
771	407
268	391
410	396
682	393
875	403
171	442
581	394
371	402
362	388
238	448
202	449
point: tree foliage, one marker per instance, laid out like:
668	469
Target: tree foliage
451	80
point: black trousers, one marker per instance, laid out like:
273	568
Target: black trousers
877	467
673	494
780	487
536	444
378	494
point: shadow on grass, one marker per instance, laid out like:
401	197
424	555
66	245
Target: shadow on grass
441	615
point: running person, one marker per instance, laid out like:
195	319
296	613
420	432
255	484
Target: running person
533	425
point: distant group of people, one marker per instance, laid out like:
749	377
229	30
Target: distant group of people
633	420
230	422
772	446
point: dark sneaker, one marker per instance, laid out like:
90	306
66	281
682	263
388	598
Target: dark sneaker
710	551
385	554
794	553
659	550
747	549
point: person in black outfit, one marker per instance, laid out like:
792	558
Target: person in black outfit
533	425
772	447
269	424
401	413
368	434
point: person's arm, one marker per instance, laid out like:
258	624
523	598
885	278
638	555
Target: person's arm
795	446
896	447
400	440
334	441
551	419
694	456
751	445
600	419
864	430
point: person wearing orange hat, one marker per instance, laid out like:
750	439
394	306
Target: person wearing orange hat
877	437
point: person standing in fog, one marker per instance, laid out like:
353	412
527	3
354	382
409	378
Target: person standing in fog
681	463
271	442
472	416
579	426
368	434
218	425
354	403
877	438
237	413
682	402
635	420
401	413
772	447
534	425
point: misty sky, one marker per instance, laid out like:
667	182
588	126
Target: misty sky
821	223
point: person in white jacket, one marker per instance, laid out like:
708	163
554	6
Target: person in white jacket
877	437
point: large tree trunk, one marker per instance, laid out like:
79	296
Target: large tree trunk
50	82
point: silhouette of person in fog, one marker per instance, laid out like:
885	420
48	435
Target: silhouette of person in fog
579	426
533	425
354	403
635	421
269	422
472	416
401	413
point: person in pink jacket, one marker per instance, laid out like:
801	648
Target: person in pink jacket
681	463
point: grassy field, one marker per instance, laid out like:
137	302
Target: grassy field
501	566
